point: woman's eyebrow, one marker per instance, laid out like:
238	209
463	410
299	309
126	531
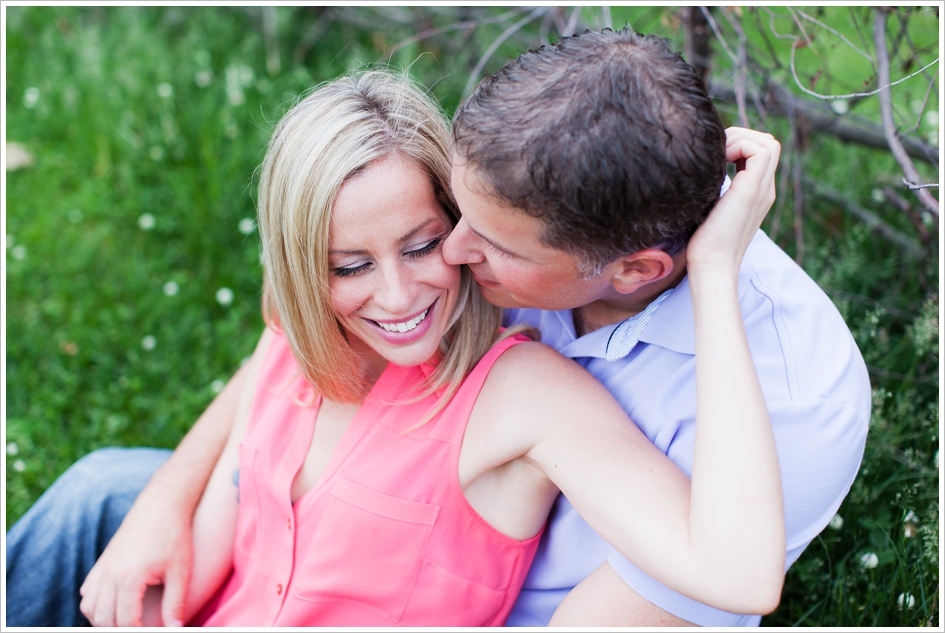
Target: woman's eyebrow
400	240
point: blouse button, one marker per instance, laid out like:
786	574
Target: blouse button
279	589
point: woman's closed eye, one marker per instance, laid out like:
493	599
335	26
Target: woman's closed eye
348	271
426	249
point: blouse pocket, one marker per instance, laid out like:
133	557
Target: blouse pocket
247	522
368	549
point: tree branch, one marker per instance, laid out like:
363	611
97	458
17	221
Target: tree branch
822	119
885	107
869	218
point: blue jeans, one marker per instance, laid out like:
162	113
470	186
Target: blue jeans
53	546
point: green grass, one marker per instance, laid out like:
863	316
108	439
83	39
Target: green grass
166	111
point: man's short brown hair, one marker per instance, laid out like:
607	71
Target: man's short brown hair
609	138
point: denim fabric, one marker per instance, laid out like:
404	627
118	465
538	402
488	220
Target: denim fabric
53	546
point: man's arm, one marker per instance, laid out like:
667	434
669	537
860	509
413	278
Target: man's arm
154	545
604	599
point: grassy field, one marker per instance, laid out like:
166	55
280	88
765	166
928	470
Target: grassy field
133	278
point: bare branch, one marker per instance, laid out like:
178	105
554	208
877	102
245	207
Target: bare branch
916	187
572	22
869	218
797	80
885	107
822	119
455	26
741	72
506	34
837	33
718	33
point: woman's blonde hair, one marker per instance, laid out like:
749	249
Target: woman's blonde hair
333	133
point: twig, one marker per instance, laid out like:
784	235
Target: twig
741	74
496	44
607	19
455	26
271	35
847	128
885	88
572	22
837	33
916	187
718	33
885	107
868	217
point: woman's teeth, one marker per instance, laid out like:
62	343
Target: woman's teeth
406	326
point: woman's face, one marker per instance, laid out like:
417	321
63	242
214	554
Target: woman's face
390	288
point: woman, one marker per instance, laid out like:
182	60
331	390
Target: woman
397	456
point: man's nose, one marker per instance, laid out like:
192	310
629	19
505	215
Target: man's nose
460	246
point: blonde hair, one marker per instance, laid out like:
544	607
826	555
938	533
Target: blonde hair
333	133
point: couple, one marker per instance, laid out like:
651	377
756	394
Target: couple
581	171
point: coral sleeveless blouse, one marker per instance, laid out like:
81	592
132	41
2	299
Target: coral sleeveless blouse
386	537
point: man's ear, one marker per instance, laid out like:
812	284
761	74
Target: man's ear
632	272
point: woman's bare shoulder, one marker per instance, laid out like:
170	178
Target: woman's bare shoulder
531	376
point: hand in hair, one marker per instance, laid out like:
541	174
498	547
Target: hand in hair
720	243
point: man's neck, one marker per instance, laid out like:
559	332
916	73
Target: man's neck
618	307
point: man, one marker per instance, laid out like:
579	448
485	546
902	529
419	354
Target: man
581	169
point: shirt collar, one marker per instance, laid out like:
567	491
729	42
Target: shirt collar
673	328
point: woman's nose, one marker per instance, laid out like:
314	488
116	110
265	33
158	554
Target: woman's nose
396	291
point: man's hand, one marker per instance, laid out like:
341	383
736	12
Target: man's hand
721	241
154	544
152	547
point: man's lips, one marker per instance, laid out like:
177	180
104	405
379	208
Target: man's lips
483	281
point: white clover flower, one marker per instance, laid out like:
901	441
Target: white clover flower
146	221
877	194
203	78
171	288
30	97
869	560
19	465
840	106
12	448
75	216
156	153
224	296
836	522
165	90
10	241
906	600
18	252
148	342
247	226
217	386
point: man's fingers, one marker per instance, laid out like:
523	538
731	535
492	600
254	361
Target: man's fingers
174	604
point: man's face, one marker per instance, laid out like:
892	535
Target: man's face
513	268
